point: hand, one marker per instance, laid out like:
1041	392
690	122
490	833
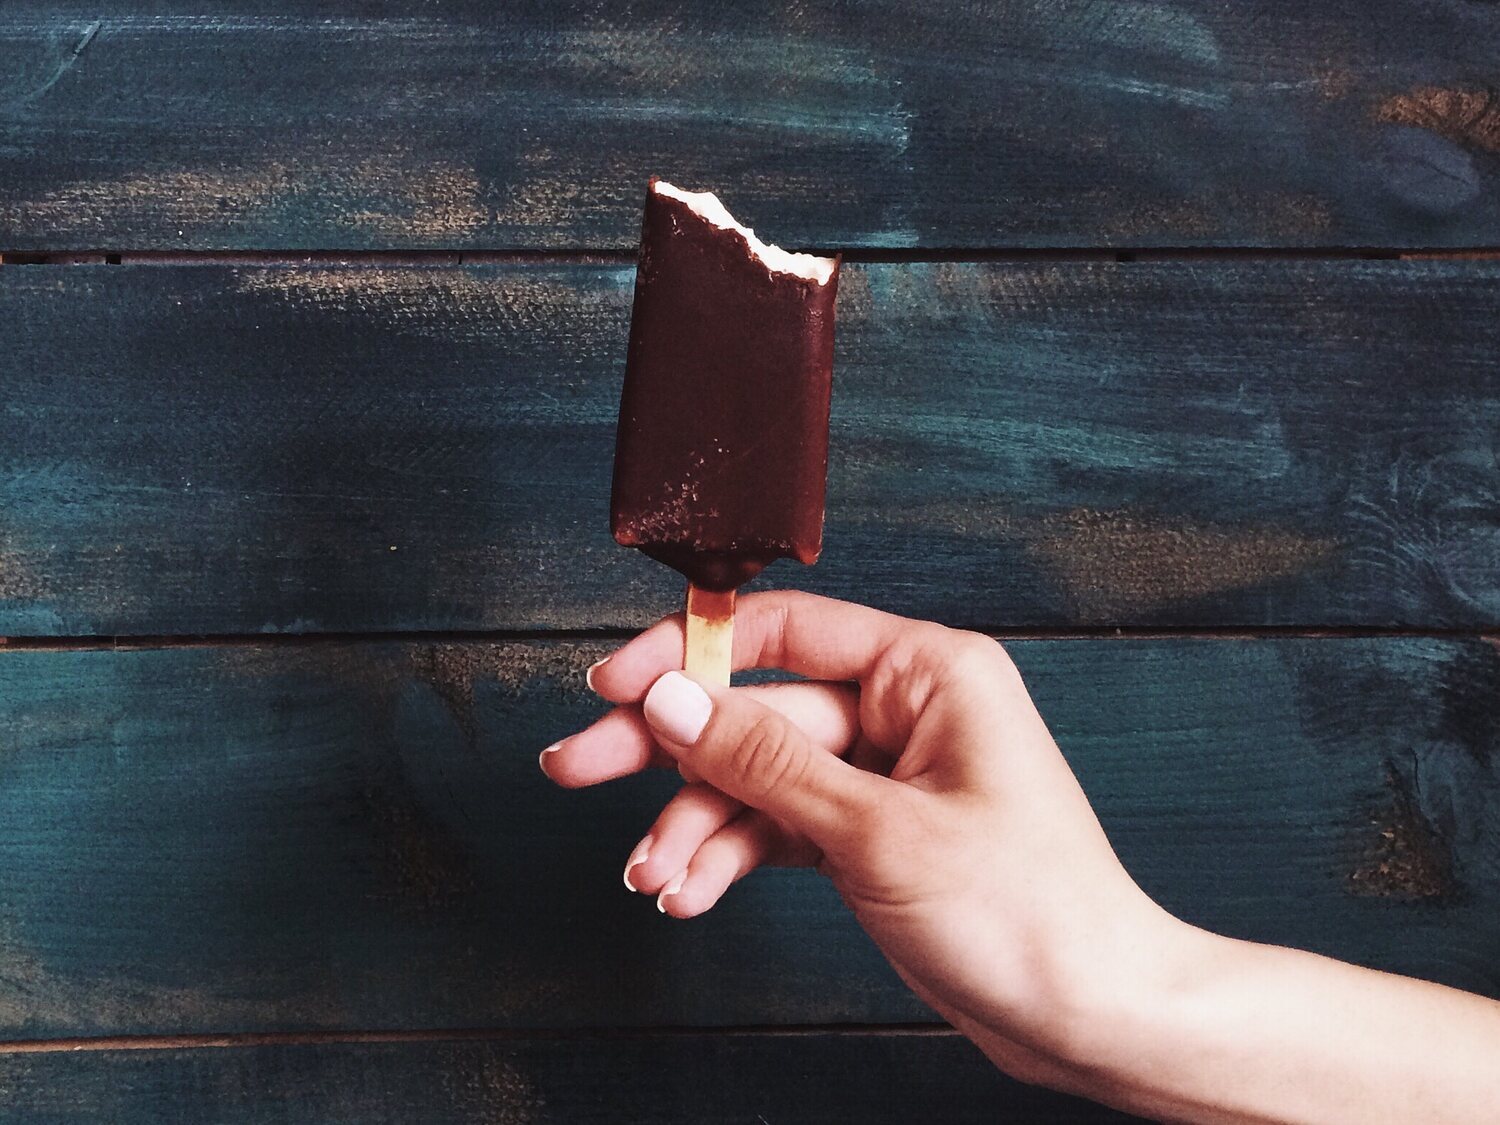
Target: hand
915	772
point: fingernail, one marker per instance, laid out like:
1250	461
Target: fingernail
588	677
678	708
541	759
641	854
673	886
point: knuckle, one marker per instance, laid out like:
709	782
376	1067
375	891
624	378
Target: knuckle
766	757
976	658
920	650
976	649
933	656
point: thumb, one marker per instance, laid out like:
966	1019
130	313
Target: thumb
757	755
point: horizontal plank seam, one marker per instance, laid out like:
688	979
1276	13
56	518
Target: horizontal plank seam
462	1035
130	643
621	256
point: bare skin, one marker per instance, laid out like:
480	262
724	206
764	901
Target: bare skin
914	771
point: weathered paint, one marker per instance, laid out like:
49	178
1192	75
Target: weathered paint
348	836
1469	117
347	124
1113	564
342	836
300	449
817	1079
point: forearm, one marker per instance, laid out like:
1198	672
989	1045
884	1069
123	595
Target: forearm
1237	1032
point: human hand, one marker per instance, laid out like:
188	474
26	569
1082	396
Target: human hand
913	770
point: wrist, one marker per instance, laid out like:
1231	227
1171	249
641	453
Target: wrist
1123	1030
1182	1024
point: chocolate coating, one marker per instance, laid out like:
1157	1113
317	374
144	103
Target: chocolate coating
721	455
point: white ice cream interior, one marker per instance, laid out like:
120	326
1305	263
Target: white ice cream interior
706	205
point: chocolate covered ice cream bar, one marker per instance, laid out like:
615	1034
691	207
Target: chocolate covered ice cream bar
722	448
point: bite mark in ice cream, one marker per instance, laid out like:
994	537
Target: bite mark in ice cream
706	205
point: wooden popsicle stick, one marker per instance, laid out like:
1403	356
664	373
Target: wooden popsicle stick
710	635
709	642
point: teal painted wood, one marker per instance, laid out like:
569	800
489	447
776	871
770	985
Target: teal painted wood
354	836
361	124
203	449
648	1080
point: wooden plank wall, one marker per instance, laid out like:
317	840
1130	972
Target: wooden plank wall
307	124
357	448
1167	353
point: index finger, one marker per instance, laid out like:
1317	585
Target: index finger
821	638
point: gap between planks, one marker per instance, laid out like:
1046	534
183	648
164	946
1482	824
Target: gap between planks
603	256
138	642
462	1035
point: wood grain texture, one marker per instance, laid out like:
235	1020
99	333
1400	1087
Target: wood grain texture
466	124
649	1080
356	835
205	449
